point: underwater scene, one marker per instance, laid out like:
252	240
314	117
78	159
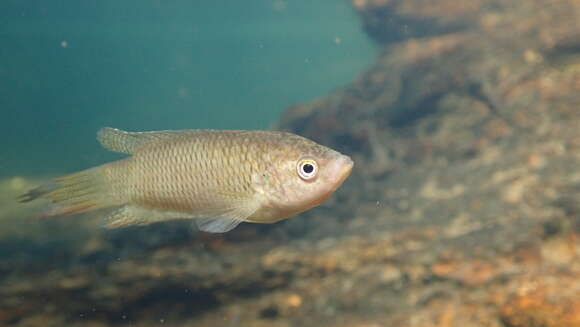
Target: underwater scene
290	163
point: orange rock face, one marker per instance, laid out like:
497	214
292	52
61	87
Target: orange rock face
555	304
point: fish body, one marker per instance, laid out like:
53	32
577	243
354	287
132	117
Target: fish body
217	177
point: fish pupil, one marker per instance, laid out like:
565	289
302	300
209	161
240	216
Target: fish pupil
308	168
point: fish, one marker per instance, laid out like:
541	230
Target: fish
218	178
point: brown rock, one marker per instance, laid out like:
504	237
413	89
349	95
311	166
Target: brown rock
541	304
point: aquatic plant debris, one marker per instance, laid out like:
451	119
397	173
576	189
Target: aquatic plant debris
219	177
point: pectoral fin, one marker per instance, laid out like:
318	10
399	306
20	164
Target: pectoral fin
217	225
221	221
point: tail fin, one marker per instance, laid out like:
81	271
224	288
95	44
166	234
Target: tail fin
76	193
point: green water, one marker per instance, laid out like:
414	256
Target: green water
68	68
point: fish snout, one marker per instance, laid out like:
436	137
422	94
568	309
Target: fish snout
339	170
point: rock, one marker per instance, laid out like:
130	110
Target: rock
545	302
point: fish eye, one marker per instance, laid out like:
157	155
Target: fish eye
307	169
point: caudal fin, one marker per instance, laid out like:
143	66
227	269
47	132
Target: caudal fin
76	193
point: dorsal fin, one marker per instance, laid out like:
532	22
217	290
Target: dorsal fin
127	142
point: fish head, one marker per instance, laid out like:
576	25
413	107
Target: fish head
304	174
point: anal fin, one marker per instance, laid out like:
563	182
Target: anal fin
130	215
212	220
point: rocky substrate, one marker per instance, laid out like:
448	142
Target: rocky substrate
463	209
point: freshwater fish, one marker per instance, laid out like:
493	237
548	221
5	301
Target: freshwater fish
218	178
